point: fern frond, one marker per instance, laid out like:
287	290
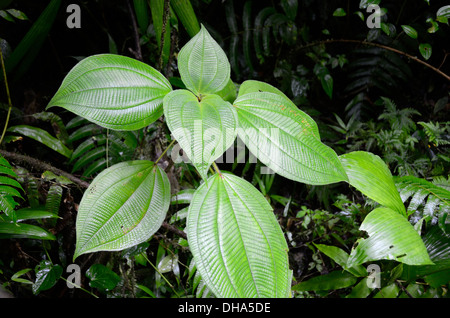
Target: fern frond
426	198
8	188
95	144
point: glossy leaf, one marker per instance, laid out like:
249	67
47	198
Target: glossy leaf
123	206
333	280
237	243
369	174
43	137
203	65
34	213
204	130
426	50
286	139
21	230
391	237
47	275
410	31
102	278
113	91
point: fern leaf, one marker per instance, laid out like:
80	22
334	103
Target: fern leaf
426	198
8	188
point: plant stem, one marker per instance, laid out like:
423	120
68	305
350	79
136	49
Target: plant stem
79	287
9	97
36	163
217	169
165	150
382	47
160	274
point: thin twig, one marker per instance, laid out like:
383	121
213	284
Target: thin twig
382	47
9	96
40	165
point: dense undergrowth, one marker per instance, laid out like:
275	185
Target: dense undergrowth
364	88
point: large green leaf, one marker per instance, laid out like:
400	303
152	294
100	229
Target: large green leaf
113	91
205	129
123	206
369	174
236	241
203	65
391	237
43	137
286	139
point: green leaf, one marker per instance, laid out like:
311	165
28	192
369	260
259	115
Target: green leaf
28	48
390	291
236	241
333	280
16	277
422	192
339	12
186	14
391	237
43	137
123	206
19	230
341	258
410	31
102	278
34	213
47	275
203	65
369	174
252	86
444	12
286	139
426	50
113	91
204	129
228	93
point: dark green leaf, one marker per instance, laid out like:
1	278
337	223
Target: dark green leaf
47	275
102	278
333	280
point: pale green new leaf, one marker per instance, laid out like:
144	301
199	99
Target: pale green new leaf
391	237
204	130
123	206
113	91
369	174
286	139
203	65
236	241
